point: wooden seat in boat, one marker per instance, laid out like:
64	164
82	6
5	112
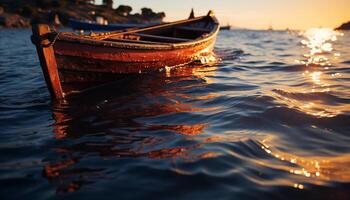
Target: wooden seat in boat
197	29
159	38
118	39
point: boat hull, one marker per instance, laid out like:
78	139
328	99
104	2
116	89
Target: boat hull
73	63
84	58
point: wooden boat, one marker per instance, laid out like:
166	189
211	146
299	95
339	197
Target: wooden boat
68	59
94	26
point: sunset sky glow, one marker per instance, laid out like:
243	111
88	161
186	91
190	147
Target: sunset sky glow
255	14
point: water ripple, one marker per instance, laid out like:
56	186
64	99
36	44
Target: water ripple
269	121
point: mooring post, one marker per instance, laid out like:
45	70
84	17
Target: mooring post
41	39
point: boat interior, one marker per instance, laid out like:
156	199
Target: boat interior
168	33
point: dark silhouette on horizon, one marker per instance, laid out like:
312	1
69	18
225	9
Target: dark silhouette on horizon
21	13
345	26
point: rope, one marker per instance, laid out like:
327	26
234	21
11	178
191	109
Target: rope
52	37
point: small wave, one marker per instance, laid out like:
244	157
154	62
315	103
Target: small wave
277	63
298	118
291	68
285	55
228	54
228	68
231	87
254	62
325	97
278	66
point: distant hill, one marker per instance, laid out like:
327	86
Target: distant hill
21	13
345	26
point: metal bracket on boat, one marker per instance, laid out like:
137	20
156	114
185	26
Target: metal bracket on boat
46	40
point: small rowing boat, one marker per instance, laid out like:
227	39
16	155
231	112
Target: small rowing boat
67	58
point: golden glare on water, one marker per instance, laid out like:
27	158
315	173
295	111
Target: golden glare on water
319	44
319	41
316	77
317	168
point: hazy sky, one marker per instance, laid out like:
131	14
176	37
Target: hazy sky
258	14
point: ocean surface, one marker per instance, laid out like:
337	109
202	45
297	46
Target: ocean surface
270	120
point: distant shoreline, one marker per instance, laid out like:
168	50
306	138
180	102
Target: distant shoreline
344	27
23	13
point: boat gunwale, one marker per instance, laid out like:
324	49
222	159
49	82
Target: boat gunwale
125	45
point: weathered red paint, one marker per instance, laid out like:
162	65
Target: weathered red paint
47	60
81	57
89	60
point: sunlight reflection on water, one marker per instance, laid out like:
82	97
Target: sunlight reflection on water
319	41
319	44
318	60
254	126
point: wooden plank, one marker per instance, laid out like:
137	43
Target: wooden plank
162	38
47	59
133	41
189	28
